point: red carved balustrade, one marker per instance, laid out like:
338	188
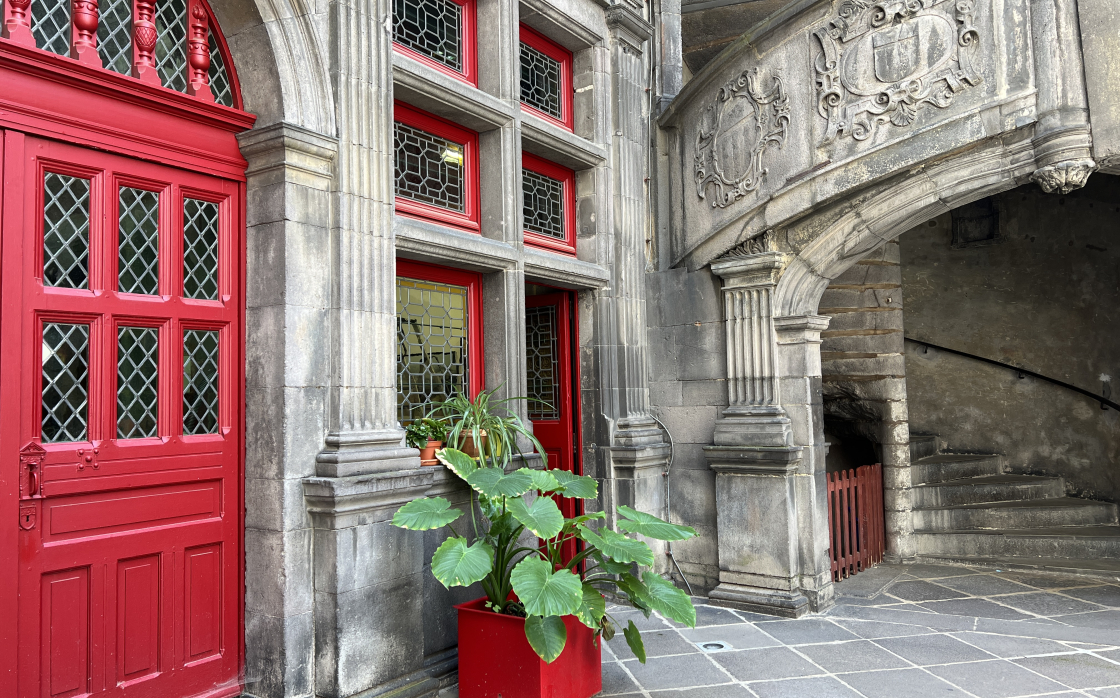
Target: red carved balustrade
198	53
83	32
17	22
144	37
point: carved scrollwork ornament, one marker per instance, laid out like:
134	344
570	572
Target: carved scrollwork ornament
880	62
1063	177
759	117
764	242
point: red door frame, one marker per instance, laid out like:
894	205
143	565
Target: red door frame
55	97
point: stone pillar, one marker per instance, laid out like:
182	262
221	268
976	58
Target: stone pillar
769	467
1062	141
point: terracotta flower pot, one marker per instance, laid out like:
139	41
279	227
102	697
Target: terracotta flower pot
428	453
468	446
495	659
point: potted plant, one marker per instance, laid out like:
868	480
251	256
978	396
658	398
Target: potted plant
427	435
536	630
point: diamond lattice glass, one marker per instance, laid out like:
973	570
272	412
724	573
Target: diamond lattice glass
219	79
200	382
543	204
137	381
540	81
50	25
430	27
171	48
138	263
429	168
542	362
65	382
431	345
65	231
114	35
200	249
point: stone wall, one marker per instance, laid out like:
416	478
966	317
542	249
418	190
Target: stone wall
1044	296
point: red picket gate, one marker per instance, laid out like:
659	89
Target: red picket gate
855	519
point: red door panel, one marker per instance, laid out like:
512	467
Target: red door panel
121	393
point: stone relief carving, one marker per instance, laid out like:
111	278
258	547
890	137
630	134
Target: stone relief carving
1064	177
763	242
882	61
734	134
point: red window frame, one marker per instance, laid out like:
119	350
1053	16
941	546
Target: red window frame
468	42
472	281
469	218
562	55
568	179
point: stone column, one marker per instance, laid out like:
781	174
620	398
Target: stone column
1062	141
767	489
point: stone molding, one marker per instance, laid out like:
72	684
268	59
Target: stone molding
350	453
286	152
342	502
754	460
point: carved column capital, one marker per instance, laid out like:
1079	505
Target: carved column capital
1065	176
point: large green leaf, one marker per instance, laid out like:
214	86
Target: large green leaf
578	486
610	566
493	482
425	514
635	591
542	517
544	592
543	480
634	639
547	636
455	564
649	525
592	608
668	600
460	463
617	546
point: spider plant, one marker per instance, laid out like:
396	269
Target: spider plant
482	416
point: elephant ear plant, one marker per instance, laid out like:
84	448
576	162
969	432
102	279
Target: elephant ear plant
534	581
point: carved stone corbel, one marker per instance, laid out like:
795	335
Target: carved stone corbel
1063	177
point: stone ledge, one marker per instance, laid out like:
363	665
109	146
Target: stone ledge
342	502
771	602
428	89
554	143
753	460
563	271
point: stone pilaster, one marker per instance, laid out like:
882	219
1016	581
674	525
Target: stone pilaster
1062	141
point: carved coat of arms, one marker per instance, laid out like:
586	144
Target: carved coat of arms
734	133
881	61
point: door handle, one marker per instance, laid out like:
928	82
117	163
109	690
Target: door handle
31	470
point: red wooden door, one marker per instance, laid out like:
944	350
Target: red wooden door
120	397
549	320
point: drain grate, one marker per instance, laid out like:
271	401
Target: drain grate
715	646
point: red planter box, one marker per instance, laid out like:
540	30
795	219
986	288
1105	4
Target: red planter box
496	661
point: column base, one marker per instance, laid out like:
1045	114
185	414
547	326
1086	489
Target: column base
770	602
753	426
364	452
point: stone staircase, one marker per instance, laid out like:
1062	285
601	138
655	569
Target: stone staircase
968	509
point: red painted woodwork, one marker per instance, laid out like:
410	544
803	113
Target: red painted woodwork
120	560
855	520
568	177
469	218
144	37
468	45
83	32
560	437
495	659
198	53
409	269
564	57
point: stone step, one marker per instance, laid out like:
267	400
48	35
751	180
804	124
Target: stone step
1089	542
990	488
943	467
1036	513
1101	569
922	445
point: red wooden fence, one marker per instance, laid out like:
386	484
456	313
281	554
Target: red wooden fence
855	519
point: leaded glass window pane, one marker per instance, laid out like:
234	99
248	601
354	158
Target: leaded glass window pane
50	25
65	382
200	249
114	35
138	263
432	28
544	204
219	79
429	168
171	48
432	345
540	81
137	381
542	362
65	231
200	382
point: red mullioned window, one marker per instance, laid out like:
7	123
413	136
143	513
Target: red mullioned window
549	204
546	78
436	174
439	336
439	33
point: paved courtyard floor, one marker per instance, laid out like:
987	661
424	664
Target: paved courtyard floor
895	632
